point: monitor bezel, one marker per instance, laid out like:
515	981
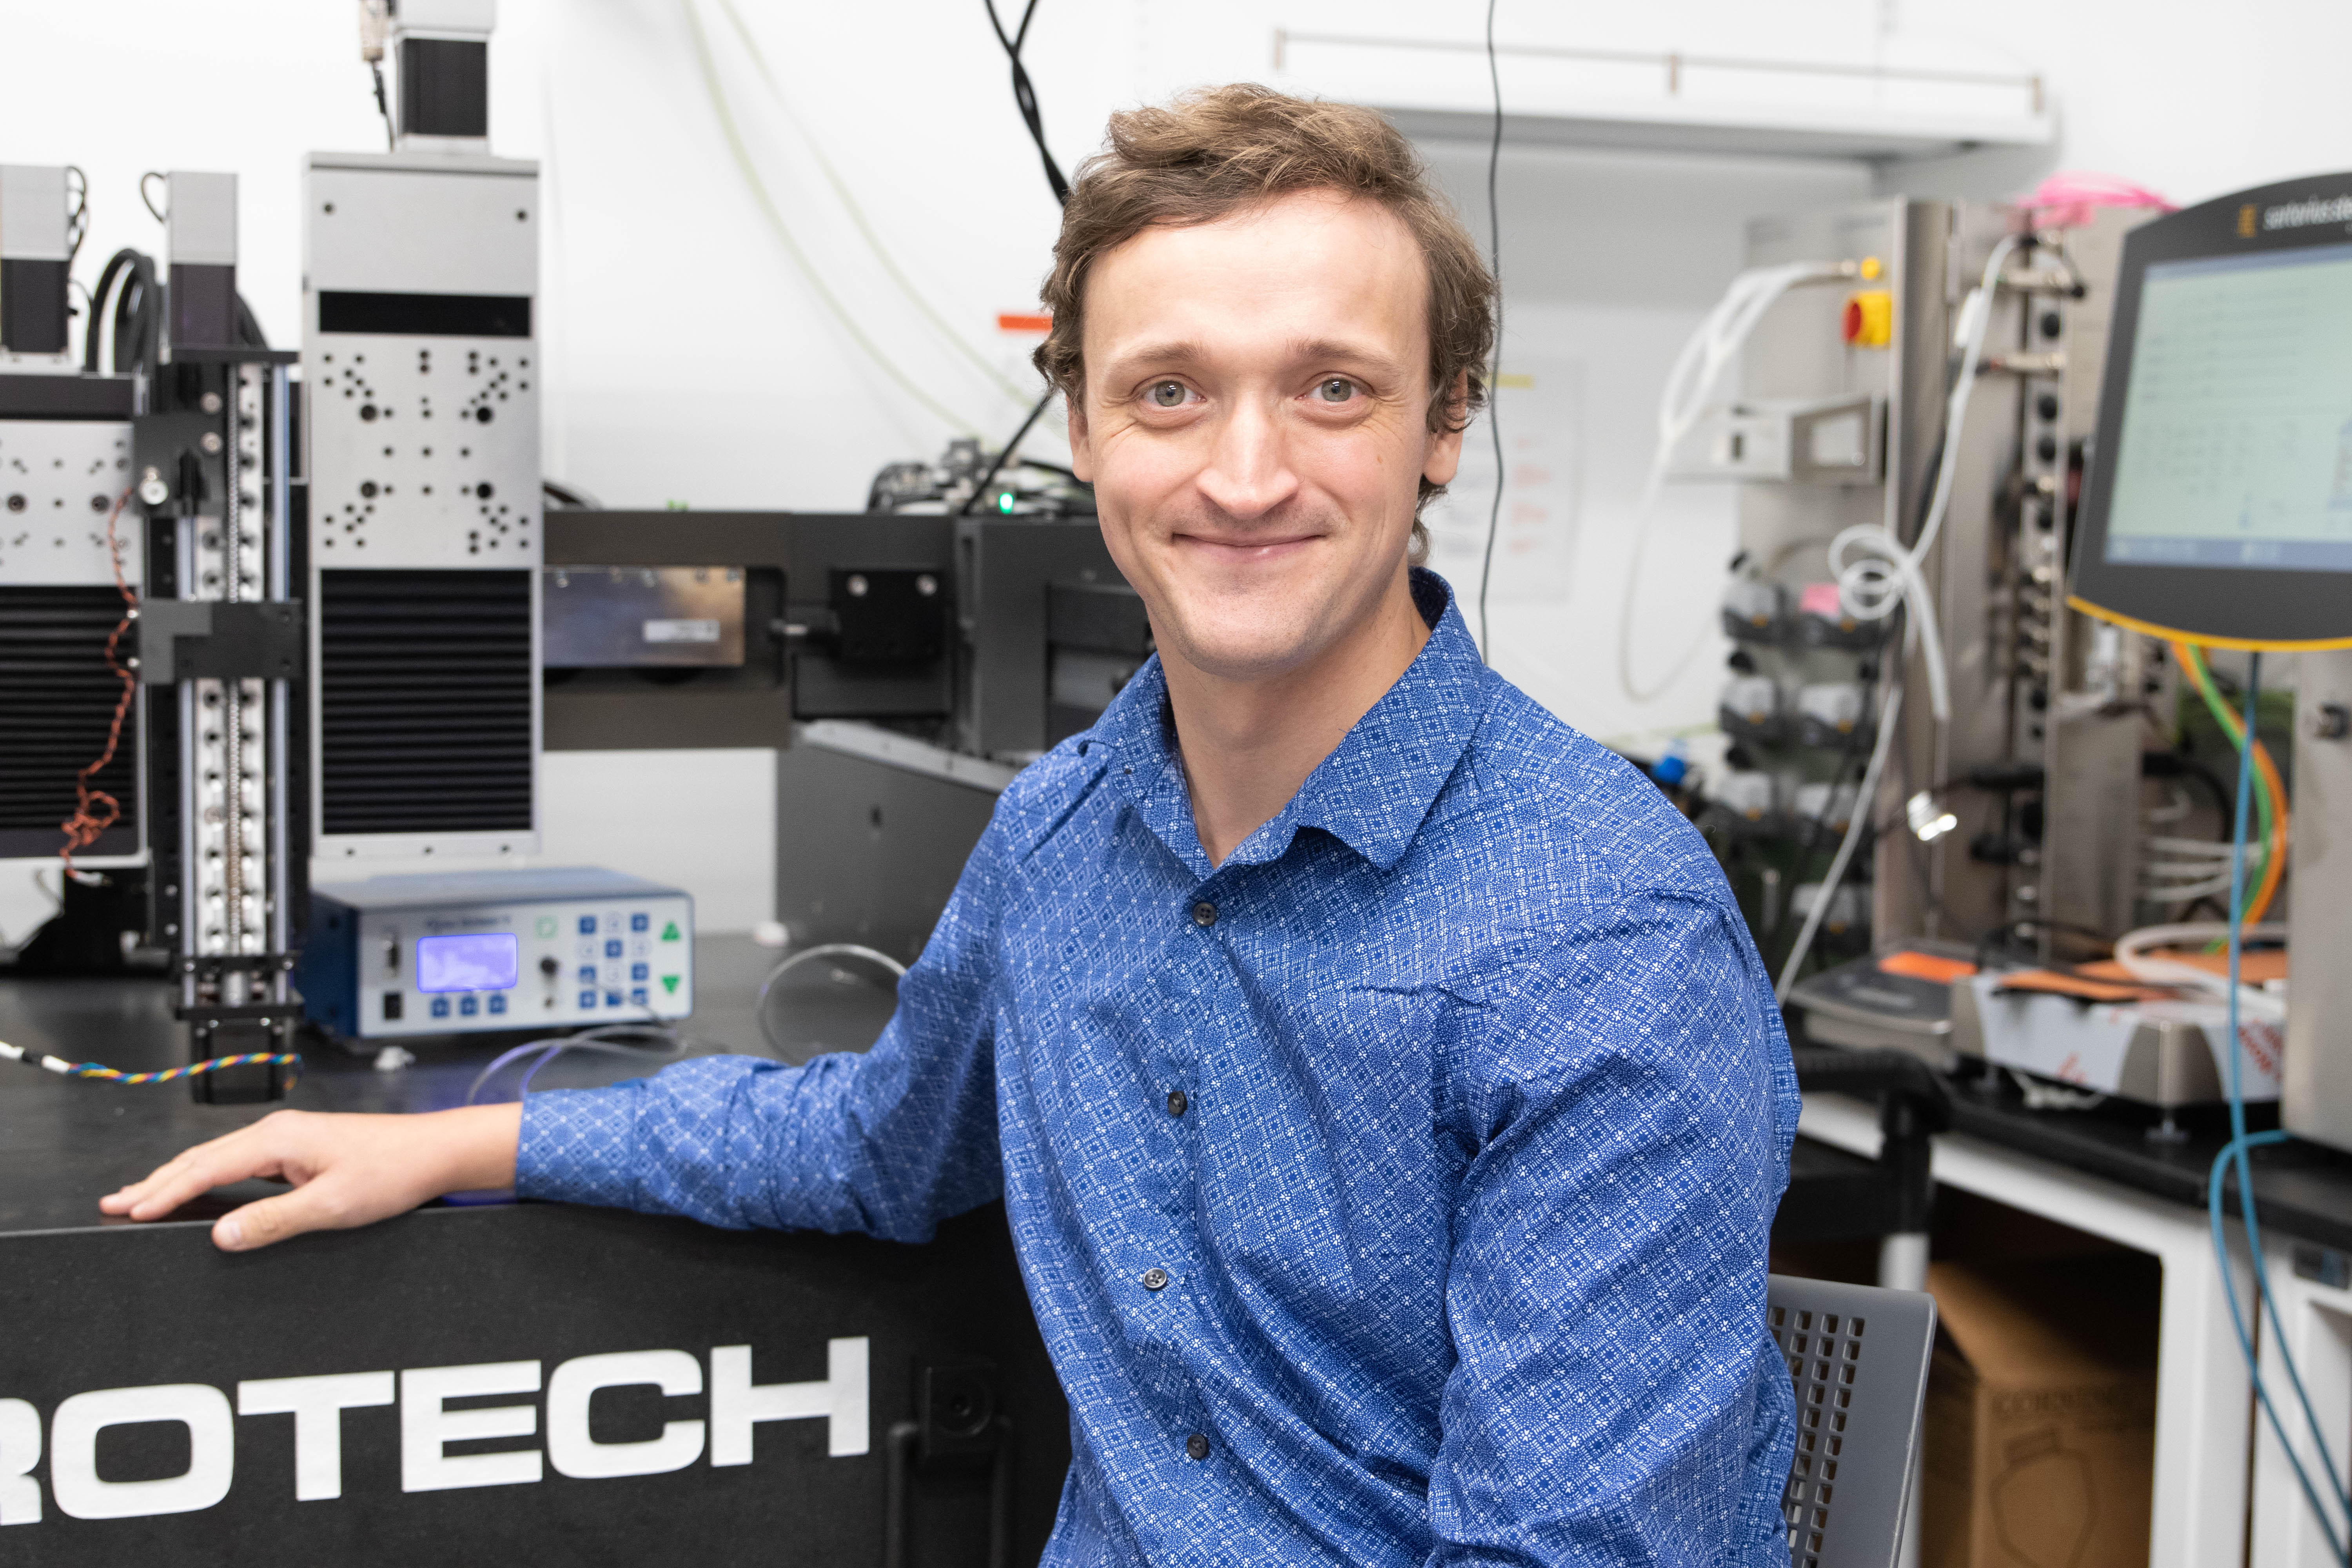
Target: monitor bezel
2250	607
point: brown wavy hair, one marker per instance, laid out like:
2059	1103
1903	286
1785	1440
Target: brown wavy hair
1221	150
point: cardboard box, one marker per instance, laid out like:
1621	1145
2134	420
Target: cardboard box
2040	1422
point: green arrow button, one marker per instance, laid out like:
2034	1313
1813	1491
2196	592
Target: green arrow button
670	983
669	932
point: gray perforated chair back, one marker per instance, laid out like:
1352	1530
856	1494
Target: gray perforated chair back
1858	1356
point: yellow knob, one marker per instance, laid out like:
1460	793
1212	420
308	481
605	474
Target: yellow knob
1869	321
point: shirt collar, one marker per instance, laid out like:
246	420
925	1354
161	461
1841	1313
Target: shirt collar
1371	792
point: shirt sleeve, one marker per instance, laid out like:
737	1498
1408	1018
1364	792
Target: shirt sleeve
888	1143
1616	1398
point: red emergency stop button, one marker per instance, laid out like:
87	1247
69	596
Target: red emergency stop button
1869	321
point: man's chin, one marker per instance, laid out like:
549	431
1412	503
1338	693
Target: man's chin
1248	642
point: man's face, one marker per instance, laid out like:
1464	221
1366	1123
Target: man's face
1255	422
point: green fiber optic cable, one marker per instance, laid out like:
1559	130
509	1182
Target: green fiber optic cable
2203	679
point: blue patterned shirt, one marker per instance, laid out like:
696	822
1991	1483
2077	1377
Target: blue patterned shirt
1452	1249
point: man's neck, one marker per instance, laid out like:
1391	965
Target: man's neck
1249	745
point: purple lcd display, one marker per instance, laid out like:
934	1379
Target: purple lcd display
477	961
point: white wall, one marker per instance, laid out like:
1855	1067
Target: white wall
691	361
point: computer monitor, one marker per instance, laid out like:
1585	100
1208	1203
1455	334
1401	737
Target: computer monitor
2217	494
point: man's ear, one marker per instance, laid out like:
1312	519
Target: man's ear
1081	451
1444	445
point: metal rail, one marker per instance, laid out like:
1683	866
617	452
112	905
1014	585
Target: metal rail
1673	62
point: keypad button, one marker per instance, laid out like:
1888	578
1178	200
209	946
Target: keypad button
1205	913
1177	1103
1155	1279
612	998
1197	1444
641	972
588	973
639	922
587	925
587	998
469	1005
499	1004
612	948
440	1007
638	996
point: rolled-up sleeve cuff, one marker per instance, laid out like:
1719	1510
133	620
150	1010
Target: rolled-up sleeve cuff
579	1146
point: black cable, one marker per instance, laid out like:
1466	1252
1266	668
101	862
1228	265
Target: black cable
383	106
568	497
93	332
1024	96
973	499
77	220
131	275
249	327
1494	248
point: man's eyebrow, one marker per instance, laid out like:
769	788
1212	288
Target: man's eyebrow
1179	352
1184	352
1333	349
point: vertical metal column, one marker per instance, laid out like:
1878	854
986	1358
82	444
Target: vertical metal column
279	467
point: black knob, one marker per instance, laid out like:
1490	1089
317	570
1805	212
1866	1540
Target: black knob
2046	405
2052	323
367	412
549	967
2046	448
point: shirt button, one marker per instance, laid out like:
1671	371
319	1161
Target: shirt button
1177	1103
1197	1446
1205	913
1155	1279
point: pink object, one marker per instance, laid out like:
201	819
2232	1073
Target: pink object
1820	599
2066	199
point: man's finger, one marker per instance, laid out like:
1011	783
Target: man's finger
171	1170
274	1219
131	1192
160	1196
235	1158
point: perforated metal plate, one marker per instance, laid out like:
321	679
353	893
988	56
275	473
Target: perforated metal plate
1858	1360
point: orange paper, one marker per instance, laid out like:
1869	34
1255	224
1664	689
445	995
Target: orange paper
1925	966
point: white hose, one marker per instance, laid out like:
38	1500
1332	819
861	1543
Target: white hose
1717	342
2182	870
1874	571
2132	952
1864	805
1704	358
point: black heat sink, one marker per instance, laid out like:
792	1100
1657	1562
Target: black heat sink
425	695
56	699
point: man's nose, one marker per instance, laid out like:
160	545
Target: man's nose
1248	473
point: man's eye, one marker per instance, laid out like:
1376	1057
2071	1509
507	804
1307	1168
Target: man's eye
1166	394
1339	389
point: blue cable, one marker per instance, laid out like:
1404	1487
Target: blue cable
2241	1140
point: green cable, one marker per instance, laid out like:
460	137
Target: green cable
792	246
2203	680
858	216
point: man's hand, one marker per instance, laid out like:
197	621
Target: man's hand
345	1170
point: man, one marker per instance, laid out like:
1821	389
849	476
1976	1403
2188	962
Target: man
1389	1105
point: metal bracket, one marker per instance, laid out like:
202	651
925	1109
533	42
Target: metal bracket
193	640
957	1419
